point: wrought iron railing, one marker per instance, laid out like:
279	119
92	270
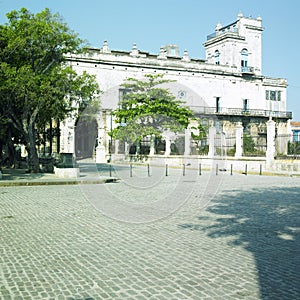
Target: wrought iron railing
240	112
248	70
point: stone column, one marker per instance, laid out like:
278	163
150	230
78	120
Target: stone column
116	147
67	139
239	140
100	149
187	142
126	148
270	154
168	146
152	145
211	137
167	136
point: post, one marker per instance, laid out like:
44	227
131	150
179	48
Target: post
187	142
217	169
130	170
211	137
260	169
168	146
200	171
270	154
152	145
100	149
166	169
231	169
183	170
148	169
239	140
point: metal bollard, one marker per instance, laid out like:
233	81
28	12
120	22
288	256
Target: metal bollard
166	169
130	170
217	167
148	169
246	169
183	170
110	171
200	171
231	169
260	169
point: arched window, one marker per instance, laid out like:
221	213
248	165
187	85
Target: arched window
244	59
217	57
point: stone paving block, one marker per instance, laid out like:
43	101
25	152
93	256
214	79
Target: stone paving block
243	244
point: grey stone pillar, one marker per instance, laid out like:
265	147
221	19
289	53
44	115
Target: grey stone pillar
211	138
167	135
239	140
117	147
152	145
187	142
100	149
168	146
67	138
126	148
270	154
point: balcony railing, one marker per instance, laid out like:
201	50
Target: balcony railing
247	70
240	112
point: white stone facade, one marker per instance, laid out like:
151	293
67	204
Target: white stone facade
227	87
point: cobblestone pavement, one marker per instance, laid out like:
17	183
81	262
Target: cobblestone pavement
233	237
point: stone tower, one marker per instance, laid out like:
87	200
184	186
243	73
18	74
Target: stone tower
237	45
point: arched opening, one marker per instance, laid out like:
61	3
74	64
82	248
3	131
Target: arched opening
85	137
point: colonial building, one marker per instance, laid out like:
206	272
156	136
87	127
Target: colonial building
226	88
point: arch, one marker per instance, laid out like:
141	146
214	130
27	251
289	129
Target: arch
85	137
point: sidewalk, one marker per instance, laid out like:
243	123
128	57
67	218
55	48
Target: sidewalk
20	177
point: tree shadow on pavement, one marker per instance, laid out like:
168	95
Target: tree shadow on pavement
265	222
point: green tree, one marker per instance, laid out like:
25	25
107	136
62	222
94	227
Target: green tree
148	109
37	83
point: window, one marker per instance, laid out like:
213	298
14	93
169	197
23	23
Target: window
218	107
122	93
244	59
245	104
122	105
278	95
217	57
273	95
267	95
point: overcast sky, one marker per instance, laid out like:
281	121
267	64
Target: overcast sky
154	23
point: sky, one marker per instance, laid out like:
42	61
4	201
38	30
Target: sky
155	23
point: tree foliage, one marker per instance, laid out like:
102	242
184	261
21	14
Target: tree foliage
147	108
36	82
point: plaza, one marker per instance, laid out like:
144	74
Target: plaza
152	237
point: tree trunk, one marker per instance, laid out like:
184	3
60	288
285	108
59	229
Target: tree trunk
33	159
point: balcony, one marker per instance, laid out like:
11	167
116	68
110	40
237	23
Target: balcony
205	110
247	70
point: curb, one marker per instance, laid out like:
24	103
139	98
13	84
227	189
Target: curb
12	183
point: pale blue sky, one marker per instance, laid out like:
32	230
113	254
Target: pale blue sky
154	23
